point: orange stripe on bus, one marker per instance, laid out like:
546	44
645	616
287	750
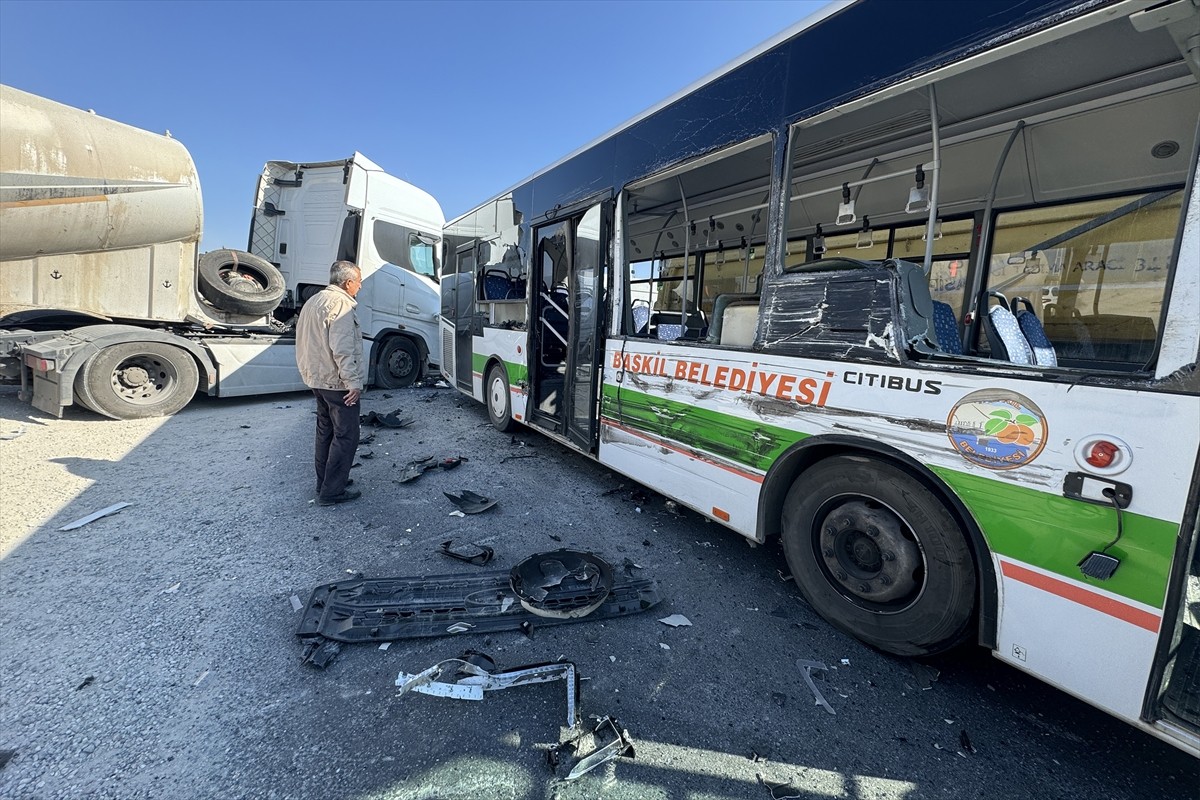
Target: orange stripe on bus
1077	594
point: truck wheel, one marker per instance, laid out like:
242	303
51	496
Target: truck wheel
879	556
398	364
498	399
139	379
240	283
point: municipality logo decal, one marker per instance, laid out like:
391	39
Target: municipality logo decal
997	429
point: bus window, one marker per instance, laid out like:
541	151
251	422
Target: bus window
709	213
1094	272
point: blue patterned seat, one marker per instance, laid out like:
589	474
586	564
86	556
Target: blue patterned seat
1004	336
641	317
1031	328
945	327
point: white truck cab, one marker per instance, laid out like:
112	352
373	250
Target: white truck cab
306	216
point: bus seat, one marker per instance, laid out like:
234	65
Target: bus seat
496	285
739	323
720	303
1004	335
668	326
641	316
1034	333
945	325
668	332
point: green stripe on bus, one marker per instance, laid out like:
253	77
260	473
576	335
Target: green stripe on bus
1055	533
748	442
1039	528
516	372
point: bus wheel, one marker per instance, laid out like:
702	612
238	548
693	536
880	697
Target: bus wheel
879	556
498	399
139	379
399	363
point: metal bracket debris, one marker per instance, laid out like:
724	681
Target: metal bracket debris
468	677
481	554
806	668
618	745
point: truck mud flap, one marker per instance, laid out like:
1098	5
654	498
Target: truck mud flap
359	609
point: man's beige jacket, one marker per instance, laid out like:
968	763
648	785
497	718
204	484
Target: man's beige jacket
329	345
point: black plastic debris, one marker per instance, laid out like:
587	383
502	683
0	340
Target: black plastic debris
472	553
782	791
88	681
319	652
924	674
562	583
387	609
964	741
418	467
5	757
469	502
390	420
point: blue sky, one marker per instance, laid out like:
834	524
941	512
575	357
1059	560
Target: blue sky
463	99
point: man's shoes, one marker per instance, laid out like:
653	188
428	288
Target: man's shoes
344	497
349	483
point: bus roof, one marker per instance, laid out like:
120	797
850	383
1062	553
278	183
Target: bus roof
895	42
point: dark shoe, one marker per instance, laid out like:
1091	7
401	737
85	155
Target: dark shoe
349	483
344	497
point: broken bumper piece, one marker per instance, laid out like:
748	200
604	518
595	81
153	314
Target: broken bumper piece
386	609
616	744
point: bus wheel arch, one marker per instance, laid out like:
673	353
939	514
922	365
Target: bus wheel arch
804	468
497	395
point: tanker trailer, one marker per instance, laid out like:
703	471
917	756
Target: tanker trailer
104	299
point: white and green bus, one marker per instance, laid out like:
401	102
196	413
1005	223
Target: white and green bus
914	286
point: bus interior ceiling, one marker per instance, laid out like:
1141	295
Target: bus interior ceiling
1107	115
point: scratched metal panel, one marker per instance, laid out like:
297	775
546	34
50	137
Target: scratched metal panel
849	314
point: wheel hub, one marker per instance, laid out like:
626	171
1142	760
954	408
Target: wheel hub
240	280
865	548
133	377
399	363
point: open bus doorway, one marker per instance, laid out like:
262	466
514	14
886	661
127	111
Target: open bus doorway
569	269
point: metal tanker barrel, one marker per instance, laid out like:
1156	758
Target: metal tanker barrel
75	182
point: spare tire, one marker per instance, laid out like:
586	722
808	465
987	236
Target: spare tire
240	283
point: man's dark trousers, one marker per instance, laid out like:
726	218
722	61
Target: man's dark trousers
337	440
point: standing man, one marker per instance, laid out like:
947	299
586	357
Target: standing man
329	352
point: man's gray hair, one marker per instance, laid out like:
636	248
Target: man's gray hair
342	272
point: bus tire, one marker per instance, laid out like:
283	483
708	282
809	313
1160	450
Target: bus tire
136	380
240	283
879	556
398	364
498	399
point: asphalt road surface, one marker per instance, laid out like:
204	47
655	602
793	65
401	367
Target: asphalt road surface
152	653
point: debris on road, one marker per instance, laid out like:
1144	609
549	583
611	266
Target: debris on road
676	621
8	436
6	756
964	741
472	554
806	668
616	740
104	512
386	609
88	681
296	604
172	589
472	674
926	675
563	584
418	467
469	502
781	791
390	420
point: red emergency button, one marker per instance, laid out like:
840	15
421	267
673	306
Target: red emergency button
1102	454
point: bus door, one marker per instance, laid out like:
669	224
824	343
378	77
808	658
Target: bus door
569	268
459	299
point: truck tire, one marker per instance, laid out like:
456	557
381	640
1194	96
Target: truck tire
878	555
398	364
240	283
136	380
